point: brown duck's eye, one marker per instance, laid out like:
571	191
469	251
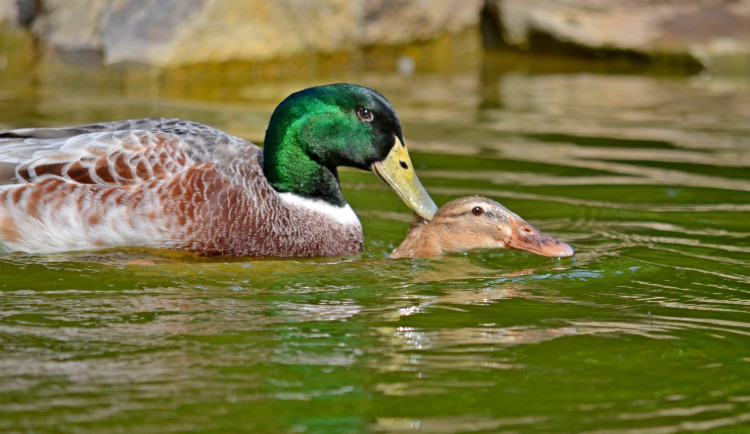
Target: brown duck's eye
365	114
477	210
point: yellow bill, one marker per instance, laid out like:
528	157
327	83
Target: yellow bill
398	173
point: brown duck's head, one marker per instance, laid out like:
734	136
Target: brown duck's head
470	223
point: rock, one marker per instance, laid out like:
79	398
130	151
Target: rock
8	12
700	31
389	22
71	25
150	31
258	30
16	44
184	32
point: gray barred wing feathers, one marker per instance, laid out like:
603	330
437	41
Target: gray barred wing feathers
113	153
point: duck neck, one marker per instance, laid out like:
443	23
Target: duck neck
289	168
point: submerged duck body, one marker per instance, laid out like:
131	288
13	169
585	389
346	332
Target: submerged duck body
173	184
470	223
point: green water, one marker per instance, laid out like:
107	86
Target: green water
646	329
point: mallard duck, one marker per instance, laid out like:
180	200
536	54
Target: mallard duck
470	223
175	184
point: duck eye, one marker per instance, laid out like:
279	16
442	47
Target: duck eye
477	210
365	114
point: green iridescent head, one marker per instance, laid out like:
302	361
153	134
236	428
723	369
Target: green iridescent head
314	131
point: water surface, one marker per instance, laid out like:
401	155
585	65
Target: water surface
645	330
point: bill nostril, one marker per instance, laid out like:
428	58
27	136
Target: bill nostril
403	164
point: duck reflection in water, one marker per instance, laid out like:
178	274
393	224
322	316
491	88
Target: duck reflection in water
470	223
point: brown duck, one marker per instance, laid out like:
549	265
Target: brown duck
470	223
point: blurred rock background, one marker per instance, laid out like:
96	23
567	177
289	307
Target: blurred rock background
688	35
183	32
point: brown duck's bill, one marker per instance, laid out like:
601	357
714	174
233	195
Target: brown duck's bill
526	237
398	173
